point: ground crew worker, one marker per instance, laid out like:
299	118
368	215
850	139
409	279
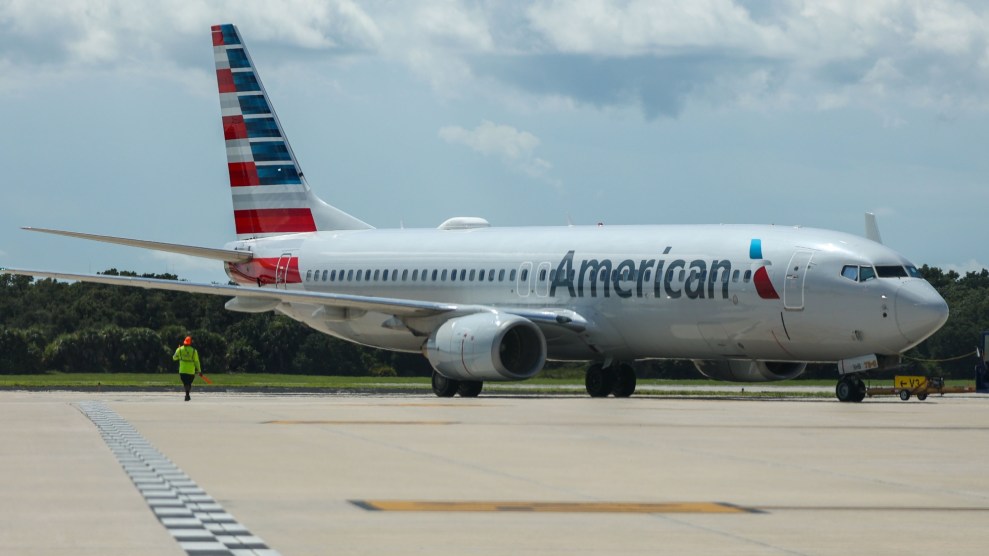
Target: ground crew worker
188	359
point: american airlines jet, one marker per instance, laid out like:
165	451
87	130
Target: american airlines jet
745	303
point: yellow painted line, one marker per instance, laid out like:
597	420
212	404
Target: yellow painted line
345	422
554	507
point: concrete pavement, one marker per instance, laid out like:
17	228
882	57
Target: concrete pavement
814	476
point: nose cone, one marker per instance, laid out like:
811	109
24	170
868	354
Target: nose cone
920	310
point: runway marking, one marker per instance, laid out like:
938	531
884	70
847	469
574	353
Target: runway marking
552	507
196	521
346	422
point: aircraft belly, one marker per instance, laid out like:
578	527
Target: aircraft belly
369	329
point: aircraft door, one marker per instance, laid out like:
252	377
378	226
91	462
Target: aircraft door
524	283
793	285
282	270
542	279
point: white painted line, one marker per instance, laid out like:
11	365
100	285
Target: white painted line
194	519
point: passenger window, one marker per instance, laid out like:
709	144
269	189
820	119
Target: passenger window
511	276
525	275
367	275
491	275
308	275
324	275
333	276
542	275
443	276
646	275
471	275
359	274
501	275
747	276
405	275
734	276
434	275
866	273
480	276
851	272
350	275
463	275
394	274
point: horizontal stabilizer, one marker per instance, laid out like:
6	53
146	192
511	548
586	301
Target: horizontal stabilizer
227	255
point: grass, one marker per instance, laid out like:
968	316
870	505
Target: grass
269	381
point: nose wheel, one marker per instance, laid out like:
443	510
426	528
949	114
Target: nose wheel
850	388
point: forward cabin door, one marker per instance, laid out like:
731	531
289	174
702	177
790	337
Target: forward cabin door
793	286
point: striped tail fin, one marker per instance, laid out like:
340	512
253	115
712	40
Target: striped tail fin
270	193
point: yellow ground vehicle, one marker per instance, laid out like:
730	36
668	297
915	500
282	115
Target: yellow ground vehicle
920	386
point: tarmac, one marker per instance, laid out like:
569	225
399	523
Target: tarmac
230	473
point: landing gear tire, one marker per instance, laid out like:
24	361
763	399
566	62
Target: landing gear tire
599	381
469	388
624	381
850	389
444	387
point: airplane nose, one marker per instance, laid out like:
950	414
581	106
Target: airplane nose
920	310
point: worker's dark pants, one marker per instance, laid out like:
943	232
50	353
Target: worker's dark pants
187	379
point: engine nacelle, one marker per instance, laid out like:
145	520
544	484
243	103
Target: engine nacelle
748	370
487	346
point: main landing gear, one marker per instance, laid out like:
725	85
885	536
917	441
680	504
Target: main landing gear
447	387
850	388
617	379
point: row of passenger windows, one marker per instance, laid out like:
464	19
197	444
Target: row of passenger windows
415	275
863	273
492	275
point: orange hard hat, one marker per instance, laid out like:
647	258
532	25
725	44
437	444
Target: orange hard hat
188	341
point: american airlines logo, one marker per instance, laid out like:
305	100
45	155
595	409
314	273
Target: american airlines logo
695	279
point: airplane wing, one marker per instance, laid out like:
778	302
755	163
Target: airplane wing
397	307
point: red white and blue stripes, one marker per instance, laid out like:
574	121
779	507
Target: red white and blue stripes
270	195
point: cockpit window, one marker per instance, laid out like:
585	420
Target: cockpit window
913	272
891	271
858	273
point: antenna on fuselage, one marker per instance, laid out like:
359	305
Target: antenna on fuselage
872	228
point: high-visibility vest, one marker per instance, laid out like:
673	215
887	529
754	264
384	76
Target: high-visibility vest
188	359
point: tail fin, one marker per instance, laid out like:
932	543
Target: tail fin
270	193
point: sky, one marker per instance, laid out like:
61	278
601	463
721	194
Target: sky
779	112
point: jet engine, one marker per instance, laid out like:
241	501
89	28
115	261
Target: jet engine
487	346
748	370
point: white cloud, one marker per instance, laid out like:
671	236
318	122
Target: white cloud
514	147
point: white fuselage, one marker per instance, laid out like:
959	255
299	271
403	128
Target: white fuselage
648	291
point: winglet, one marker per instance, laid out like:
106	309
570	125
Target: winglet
872	228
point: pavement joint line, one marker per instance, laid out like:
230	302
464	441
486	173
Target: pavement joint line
196	521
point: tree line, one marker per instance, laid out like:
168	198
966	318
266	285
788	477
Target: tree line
46	325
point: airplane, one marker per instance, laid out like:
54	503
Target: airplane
745	303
